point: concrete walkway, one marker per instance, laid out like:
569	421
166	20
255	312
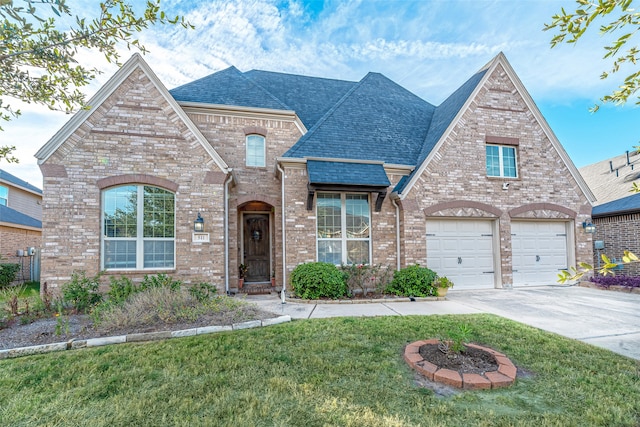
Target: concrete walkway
605	319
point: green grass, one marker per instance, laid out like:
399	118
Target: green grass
328	372
27	290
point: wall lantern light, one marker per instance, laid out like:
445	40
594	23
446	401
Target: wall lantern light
589	227
198	224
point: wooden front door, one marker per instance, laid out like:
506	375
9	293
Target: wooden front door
256	241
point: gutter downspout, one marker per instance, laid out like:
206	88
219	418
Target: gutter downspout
226	231
284	235
394	197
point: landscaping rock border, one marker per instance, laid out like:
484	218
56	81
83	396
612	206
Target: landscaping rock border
503	377
140	337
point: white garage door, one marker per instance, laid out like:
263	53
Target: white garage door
539	252
462	250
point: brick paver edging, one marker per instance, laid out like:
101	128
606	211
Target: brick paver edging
503	377
149	336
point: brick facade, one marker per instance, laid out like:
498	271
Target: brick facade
12	239
619	233
544	189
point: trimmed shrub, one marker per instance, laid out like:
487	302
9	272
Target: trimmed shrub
315	280
413	281
160	281
82	291
8	273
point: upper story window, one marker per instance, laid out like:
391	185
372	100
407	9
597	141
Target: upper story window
256	150
138	228
501	161
343	230
4	195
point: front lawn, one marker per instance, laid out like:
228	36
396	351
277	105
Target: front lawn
326	372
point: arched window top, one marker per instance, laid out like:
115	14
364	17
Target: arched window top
256	150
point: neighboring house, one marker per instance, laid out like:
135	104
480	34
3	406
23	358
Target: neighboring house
616	213
286	169
20	222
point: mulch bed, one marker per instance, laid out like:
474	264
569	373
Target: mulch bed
470	361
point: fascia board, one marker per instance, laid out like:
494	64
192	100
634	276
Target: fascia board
19	226
136	61
21	188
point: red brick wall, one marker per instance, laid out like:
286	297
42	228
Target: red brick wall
619	233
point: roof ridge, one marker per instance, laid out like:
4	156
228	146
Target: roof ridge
275	98
298	75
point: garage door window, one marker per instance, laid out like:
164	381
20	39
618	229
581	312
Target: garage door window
501	161
343	230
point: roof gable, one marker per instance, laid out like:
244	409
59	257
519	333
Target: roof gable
134	63
309	97
12	216
376	120
15	181
227	87
476	83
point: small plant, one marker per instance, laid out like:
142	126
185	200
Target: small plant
242	270
8	272
160	281
315	280
11	296
455	340
443	282
82	291
120	289
62	321
413	281
203	291
364	278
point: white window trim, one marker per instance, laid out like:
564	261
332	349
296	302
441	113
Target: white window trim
264	151
140	239
501	160
343	223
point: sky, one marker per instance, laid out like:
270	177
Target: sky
429	47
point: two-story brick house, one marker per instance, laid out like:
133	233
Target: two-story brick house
286	169
20	223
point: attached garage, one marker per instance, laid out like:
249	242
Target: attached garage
539	251
463	251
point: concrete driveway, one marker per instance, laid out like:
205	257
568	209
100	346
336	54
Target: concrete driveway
605	319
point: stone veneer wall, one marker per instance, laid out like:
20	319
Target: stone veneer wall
619	233
544	188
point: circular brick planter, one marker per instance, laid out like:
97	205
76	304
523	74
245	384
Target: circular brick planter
503	377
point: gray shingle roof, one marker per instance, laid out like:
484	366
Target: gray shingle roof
611	179
309	97
6	176
227	87
12	216
377	120
625	205
342	173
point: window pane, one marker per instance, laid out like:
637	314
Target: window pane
357	216
120	211
509	161
255	150
330	251
329	216
119	254
158	254
4	195
493	160
158	212
357	252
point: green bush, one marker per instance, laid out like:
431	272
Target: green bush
318	280
203	291
8	273
363	278
160	281
413	281
82	291
121	289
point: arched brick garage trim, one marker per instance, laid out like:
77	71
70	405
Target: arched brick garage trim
464	204
137	179
255	198
516	212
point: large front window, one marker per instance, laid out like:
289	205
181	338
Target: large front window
138	228
343	228
501	161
